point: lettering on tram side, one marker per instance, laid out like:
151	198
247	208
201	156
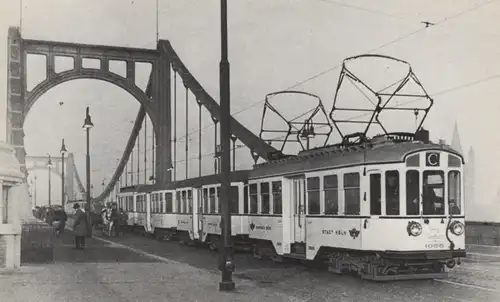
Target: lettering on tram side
212	224
334	232
260	227
182	222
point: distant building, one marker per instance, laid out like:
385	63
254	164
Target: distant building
455	141
469	169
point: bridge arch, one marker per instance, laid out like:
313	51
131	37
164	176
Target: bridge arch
92	74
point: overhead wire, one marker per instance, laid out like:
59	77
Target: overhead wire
391	42
442	92
360	8
412	33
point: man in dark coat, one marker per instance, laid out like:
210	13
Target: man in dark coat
80	227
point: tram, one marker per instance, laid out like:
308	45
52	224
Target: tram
386	207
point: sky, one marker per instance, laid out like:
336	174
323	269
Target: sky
273	45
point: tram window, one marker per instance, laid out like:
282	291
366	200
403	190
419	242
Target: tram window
162	204
190	201
138	203
392	192
177	202
245	200
253	199
277	199
331	188
375	194
313	190
184	202
157	203
413	161
168	203
234	201
205	201
212	199
454	161
152	202
264	198
351	194
433	193
454	189
219	203
412	192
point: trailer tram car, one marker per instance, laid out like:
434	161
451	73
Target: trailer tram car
188	210
389	209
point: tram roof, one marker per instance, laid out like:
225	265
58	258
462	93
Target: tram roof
334	157
235	176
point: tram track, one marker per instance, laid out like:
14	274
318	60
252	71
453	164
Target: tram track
314	284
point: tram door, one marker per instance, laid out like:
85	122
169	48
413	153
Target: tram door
299	205
147	201
375	196
196	213
201	210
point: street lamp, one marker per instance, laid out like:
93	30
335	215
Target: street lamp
63	153
103	185
87	125
226	264
49	165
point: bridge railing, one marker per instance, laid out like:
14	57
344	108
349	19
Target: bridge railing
483	233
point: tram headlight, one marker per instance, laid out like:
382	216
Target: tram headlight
414	228
457	228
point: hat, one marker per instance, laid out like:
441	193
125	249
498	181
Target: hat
76	206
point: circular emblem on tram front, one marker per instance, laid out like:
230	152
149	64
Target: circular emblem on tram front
432	159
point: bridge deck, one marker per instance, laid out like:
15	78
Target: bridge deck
136	268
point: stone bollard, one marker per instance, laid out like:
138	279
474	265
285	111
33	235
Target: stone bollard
37	242
10	201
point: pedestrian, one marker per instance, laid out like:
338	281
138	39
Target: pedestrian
60	217
123	218
80	227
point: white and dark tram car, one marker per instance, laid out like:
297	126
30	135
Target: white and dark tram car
387	209
188	210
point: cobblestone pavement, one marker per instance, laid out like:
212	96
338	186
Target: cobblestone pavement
135	268
477	279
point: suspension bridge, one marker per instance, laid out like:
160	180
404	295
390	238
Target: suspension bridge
158	104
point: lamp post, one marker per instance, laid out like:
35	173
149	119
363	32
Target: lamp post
49	165
226	262
87	125
63	153
103	185
34	191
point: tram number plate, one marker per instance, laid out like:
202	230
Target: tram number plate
434	246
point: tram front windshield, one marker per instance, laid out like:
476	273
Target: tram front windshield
433	193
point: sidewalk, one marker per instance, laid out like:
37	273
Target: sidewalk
110	272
